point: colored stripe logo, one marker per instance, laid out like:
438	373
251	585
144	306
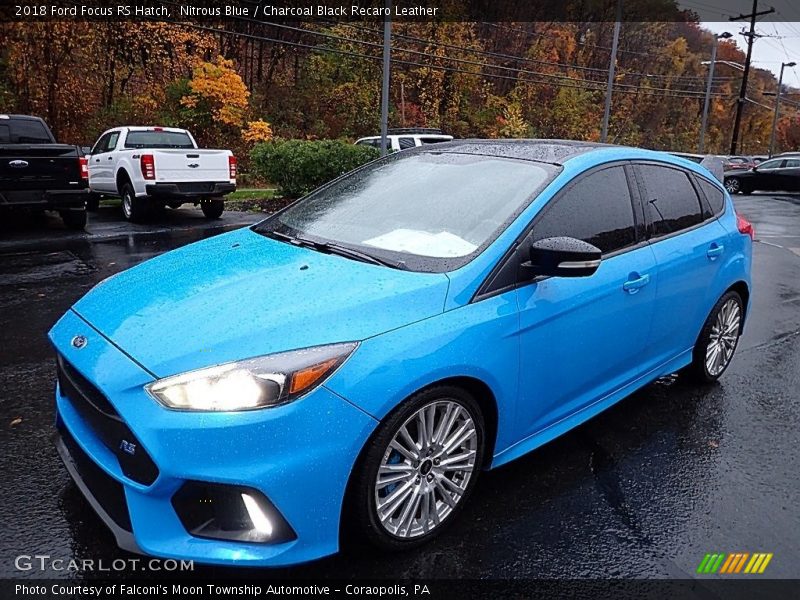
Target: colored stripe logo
734	563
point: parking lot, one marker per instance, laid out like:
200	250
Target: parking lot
643	490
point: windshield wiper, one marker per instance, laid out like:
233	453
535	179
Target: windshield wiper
331	248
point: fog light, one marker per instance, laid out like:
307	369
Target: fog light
229	512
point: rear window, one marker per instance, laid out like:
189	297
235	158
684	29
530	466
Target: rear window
433	140
23	131
158	139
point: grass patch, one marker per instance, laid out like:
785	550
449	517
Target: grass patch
253	194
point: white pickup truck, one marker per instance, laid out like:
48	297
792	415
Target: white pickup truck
153	167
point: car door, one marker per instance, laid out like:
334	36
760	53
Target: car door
585	337
790	175
768	175
94	162
102	163
689	248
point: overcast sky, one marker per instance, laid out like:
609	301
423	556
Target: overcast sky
781	30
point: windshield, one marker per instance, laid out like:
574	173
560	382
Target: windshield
428	211
158	139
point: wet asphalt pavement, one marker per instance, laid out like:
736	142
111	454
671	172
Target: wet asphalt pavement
643	490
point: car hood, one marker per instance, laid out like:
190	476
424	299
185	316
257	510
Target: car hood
240	295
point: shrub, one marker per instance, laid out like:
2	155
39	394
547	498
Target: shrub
297	167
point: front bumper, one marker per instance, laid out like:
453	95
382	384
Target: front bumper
299	456
189	191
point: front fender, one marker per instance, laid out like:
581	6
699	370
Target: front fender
388	368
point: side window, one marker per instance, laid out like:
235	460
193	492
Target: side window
792	163
596	209
406	143
714	195
771	164
100	145
111	143
670	202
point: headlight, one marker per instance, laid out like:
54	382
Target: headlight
253	383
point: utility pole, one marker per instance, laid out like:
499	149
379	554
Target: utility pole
611	69
751	35
777	107
387	58
701	146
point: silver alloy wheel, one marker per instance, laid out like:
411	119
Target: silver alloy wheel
732	185
127	204
426	469
723	337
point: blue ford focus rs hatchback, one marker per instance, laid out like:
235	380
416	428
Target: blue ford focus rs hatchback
360	356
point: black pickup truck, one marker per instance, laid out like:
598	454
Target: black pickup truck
38	173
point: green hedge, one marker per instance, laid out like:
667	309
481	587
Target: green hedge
297	167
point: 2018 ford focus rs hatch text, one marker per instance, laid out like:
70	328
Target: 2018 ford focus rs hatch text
360	356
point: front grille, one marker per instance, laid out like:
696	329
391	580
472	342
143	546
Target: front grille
106	490
195	187
100	415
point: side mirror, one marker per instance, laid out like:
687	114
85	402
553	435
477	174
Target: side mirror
87	150
563	257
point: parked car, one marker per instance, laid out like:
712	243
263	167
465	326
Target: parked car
757	160
403	139
38	173
709	161
364	353
735	163
777	174
153	167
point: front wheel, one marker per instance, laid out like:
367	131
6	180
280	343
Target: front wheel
420	468
134	209
212	209
733	185
718	339
74	219
93	202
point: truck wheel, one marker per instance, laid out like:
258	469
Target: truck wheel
74	219
93	202
134	209
212	209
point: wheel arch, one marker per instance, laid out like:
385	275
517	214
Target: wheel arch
487	402
122	177
741	288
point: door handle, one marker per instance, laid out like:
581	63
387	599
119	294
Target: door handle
96	160
635	282
110	158
714	251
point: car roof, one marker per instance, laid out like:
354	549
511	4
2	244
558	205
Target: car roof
21	117
577	155
397	135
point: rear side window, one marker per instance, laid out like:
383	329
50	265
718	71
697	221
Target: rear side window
406	143
670	202
596	209
23	131
714	195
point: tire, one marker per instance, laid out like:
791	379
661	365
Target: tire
212	209
133	209
418	469
74	219
733	185
93	202
727	314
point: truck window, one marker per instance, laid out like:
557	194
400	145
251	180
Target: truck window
158	139
24	131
